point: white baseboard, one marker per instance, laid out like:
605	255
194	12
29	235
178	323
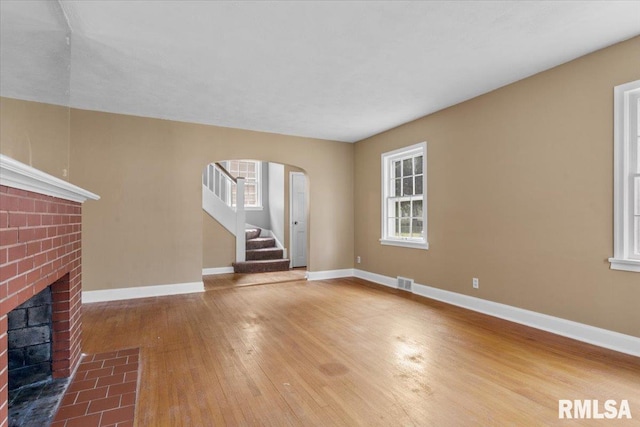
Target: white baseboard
590	334
329	274
141	292
216	270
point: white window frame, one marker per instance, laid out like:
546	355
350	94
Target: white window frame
626	243
258	206
387	160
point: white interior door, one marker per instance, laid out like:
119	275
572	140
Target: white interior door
298	219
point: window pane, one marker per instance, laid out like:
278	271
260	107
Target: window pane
418	185
394	209
407	167
407	186
636	184
405	209
398	169
405	227
417	209
397	188
416	228
417	165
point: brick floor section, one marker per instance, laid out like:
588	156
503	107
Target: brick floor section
102	392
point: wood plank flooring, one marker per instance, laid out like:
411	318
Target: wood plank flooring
342	352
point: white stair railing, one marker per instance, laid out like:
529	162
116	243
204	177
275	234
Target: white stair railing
218	188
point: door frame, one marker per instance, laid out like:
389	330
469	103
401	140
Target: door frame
291	233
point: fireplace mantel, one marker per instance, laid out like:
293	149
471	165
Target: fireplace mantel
18	175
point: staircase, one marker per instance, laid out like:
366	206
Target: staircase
262	255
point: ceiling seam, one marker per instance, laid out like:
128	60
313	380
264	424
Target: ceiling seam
66	17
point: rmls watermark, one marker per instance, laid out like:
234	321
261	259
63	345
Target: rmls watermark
593	409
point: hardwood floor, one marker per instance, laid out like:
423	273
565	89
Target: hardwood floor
234	280
340	352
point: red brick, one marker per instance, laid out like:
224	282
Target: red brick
92	420
8	237
16	285
8	271
69	399
105	404
93	394
125	368
72	411
102	372
27	205
131	376
128	399
34	220
10	203
25	265
104	356
110	380
33	248
82	385
118	415
4	219
124	388
116	361
17	219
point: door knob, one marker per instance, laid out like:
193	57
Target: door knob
295	222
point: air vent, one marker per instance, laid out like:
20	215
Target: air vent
405	284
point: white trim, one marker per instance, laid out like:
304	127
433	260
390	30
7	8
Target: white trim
376	278
625	264
405	243
590	334
329	274
306	209
622	199
385	160
216	270
141	292
18	175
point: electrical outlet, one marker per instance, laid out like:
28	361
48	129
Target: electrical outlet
476	283
358	259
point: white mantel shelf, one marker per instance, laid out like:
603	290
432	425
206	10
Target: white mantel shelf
24	177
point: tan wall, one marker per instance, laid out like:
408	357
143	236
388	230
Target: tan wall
36	134
147	228
520	195
218	244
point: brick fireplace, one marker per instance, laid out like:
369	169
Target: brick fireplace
40	248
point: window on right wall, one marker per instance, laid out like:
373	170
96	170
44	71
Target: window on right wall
626	177
404	197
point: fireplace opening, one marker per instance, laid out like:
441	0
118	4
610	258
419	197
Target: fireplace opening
34	387
29	337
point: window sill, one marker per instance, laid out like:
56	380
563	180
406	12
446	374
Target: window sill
625	264
253	208
405	244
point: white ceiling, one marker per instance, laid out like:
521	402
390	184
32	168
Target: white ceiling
335	70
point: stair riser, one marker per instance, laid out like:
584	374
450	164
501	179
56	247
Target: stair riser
264	254
252	233
261	267
260	244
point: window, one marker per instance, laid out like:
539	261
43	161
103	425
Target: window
250	170
626	177
404	202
